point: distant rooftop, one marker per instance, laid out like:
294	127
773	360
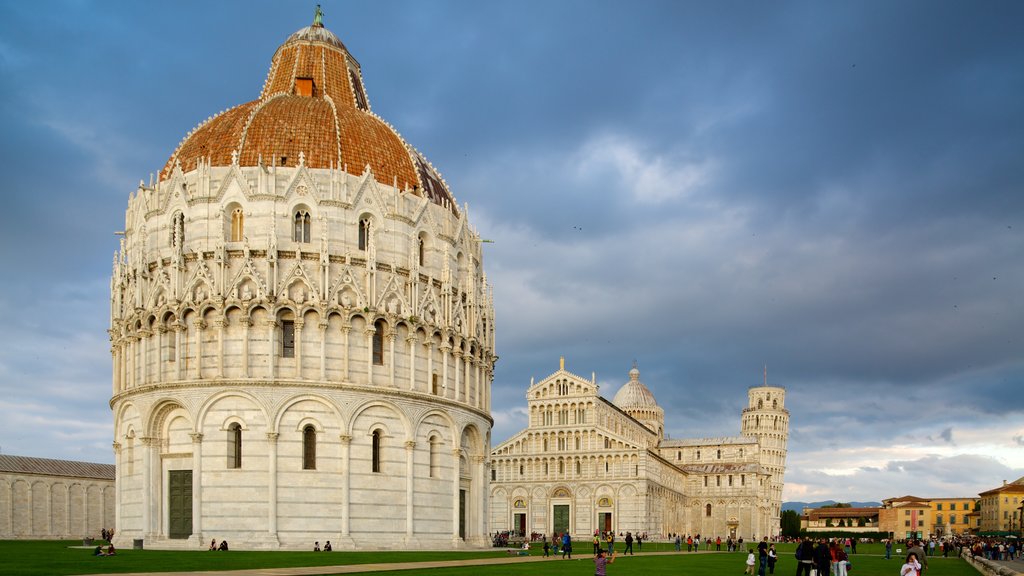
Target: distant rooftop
49	467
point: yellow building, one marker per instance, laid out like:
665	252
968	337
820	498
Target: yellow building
1001	507
952	516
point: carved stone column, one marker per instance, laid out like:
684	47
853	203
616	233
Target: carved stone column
272	483
299	325
368	333
445	349
272	346
200	330
457	368
389	338
411	339
346	448
221	324
179	351
197	486
161	336
246	325
456	477
148	513
118	485
323	350
410	481
428	347
147	336
345	330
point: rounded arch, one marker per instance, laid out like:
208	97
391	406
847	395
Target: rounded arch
291	401
361	409
159	415
444	416
204	409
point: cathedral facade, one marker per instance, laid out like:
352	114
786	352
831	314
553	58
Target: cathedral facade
585	464
301	330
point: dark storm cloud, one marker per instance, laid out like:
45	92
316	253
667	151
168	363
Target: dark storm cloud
705	188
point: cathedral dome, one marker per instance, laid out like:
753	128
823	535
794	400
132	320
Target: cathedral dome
634	394
313	111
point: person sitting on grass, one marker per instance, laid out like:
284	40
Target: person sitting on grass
223	546
111	551
98	551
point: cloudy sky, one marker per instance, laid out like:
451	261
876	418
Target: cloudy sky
834	190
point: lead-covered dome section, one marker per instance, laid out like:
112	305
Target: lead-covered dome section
634	394
313	105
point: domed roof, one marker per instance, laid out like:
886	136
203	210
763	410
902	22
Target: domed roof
313	104
634	394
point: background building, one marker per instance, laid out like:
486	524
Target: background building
833	519
905	517
585	464
301	329
1001	508
952	516
43	499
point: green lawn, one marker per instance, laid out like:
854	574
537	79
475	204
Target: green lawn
50	558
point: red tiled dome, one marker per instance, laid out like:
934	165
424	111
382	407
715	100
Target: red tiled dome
314	103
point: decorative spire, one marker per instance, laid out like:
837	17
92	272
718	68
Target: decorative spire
318	17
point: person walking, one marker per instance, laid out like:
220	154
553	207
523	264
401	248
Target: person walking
566	545
629	544
601	563
762	556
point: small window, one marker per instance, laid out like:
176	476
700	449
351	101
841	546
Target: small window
364	234
300	233
305	87
719	456
707	510
718	480
730	479
288	338
309	447
494	475
421	251
378	343
375	452
705	481
235	446
433	384
698	454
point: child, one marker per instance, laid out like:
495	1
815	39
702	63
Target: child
750	563
912	567
600	563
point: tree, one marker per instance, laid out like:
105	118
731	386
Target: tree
790	524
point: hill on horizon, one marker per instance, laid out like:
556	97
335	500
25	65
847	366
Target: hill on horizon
798	507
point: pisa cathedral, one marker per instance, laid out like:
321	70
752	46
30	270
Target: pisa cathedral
584	465
301	329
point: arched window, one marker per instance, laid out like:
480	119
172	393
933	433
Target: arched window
235	445
434	455
364	233
760	403
378	342
177	232
698	454
719	456
775	403
309	447
237	225
707	510
421	251
288	338
375	452
300	232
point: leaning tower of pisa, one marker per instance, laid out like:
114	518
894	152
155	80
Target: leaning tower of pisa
767	419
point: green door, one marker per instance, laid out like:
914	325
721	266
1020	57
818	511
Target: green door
560	513
179	503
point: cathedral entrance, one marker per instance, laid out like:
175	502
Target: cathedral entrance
179	503
519	524
604	521
560	517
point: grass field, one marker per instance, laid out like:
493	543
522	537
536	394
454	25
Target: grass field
54	558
